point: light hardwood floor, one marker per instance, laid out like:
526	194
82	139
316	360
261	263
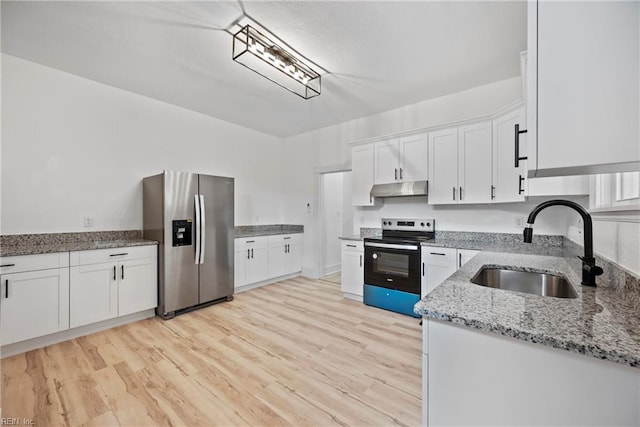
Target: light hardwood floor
293	353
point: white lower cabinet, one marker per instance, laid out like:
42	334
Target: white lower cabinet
352	278
285	254
261	258
100	290
251	260
439	263
472	377
34	303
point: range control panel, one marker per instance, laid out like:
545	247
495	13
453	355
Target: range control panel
408	224
182	232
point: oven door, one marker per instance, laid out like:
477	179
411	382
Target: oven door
392	266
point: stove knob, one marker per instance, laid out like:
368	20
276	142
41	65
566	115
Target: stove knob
384	222
422	224
428	224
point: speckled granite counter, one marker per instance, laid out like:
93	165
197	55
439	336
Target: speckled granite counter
32	244
539	247
603	322
267	230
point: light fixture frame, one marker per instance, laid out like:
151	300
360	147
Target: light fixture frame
250	41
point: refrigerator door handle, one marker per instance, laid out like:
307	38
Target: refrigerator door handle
203	229
197	202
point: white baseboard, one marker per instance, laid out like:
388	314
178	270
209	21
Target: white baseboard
39	342
330	269
250	286
352	296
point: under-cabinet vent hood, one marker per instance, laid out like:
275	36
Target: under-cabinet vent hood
400	189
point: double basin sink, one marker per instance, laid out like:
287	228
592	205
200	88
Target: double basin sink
531	282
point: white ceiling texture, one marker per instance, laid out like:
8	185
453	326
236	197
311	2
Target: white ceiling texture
379	55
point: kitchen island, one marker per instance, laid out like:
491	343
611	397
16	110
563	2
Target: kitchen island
510	358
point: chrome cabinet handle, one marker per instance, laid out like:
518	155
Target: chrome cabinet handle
517	140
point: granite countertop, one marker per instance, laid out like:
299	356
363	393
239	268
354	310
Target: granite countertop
355	237
267	230
15	250
603	322
509	246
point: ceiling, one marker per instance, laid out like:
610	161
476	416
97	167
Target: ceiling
378	55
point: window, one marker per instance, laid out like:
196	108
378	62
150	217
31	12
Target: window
615	192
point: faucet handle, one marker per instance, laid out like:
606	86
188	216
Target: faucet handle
589	265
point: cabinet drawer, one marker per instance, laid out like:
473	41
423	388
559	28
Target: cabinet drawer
98	256
17	264
259	242
353	245
439	256
282	239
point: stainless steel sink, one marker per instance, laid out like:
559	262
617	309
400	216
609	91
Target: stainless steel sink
537	283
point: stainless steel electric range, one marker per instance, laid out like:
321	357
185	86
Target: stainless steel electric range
392	264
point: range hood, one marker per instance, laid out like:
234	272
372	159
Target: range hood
400	189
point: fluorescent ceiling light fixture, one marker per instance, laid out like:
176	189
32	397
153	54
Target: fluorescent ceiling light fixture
280	64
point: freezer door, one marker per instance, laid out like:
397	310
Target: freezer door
216	268
180	268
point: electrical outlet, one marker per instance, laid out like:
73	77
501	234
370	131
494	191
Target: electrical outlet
87	221
519	222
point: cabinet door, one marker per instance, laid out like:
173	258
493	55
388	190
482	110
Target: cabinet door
137	287
464	255
443	166
440	264
506	177
93	293
386	160
362	175
294	258
33	304
277	259
240	267
584	58
414	154
258	265
474	163
352	272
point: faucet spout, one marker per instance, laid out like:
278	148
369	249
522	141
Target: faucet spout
589	268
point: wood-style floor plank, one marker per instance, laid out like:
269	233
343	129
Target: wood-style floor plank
295	353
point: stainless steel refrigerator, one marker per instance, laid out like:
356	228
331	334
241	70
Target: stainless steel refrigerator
191	216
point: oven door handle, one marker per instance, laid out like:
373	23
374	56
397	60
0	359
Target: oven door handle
392	246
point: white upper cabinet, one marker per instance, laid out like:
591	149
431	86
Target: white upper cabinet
583	94
362	175
508	180
460	164
401	160
443	161
474	163
414	154
386	160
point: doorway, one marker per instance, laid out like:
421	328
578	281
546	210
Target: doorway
336	220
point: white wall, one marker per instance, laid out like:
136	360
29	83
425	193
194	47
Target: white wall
330	147
72	147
